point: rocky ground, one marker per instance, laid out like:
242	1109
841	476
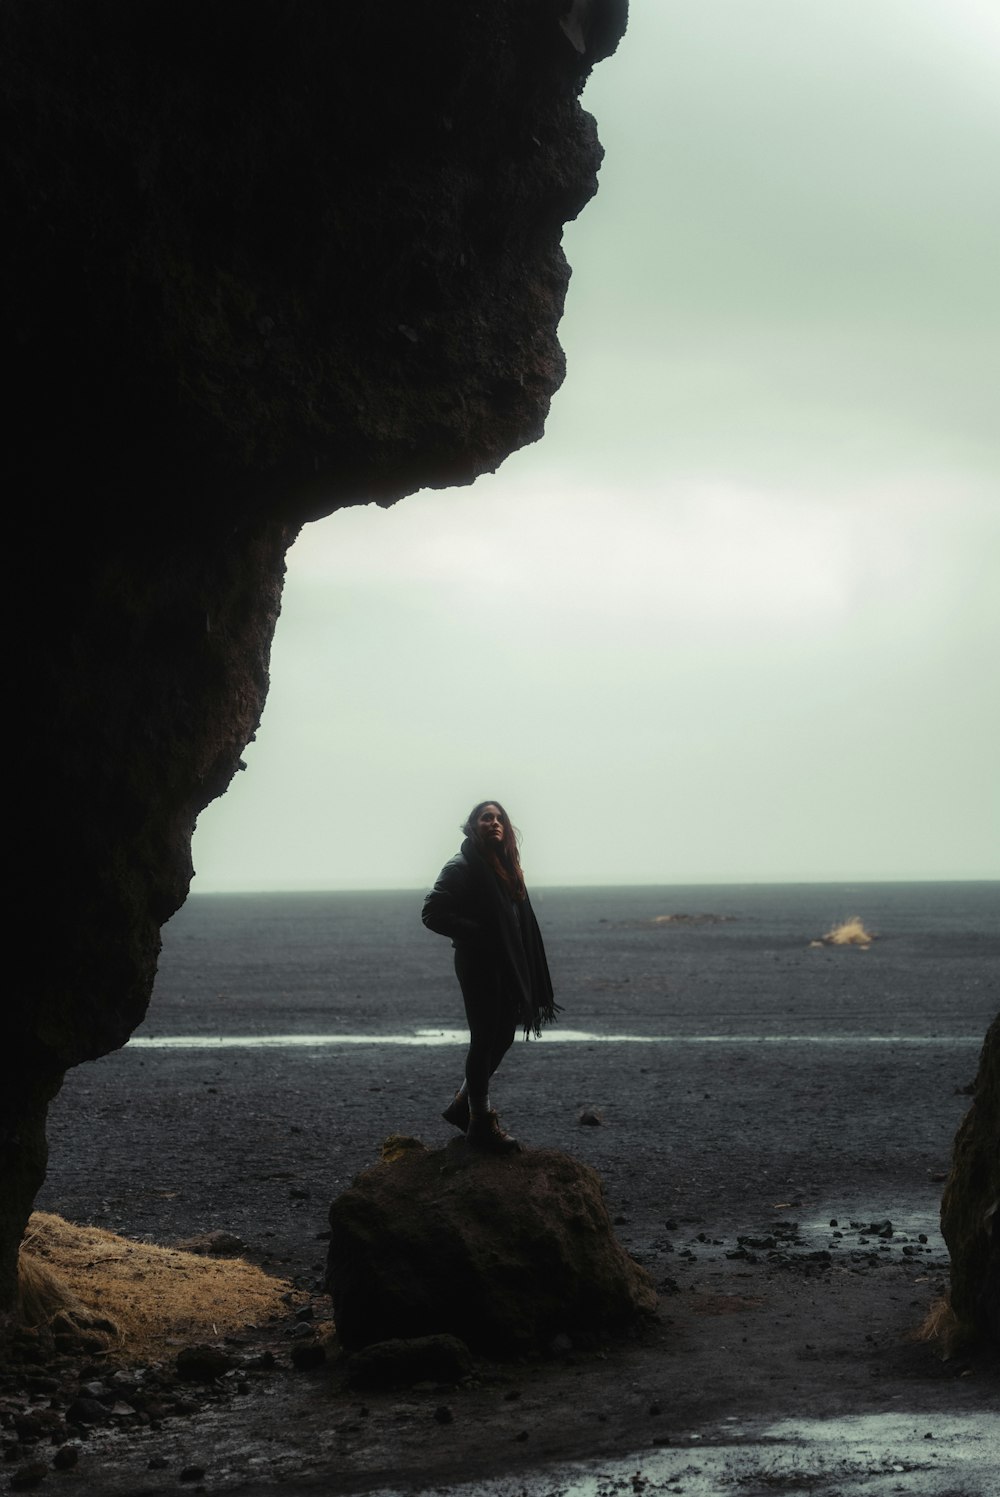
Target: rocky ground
785	1204
752	1327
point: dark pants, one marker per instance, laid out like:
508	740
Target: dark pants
491	1017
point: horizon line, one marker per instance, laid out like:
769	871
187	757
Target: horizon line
702	883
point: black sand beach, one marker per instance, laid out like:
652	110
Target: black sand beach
764	1101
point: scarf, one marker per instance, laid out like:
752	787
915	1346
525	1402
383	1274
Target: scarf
518	940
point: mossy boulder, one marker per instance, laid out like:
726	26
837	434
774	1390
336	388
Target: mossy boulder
505	1253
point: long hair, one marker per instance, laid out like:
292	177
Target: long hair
502	858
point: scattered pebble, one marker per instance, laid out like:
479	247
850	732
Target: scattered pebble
86	1411
308	1355
30	1475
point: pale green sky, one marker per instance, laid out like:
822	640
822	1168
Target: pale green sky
737	616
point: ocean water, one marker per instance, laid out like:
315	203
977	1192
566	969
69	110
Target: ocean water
734	964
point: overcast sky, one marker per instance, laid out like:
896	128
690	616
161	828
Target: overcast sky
736	617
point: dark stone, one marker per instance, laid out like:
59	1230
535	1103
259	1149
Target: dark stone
86	1411
970	1206
201	1364
424	1359
504	1252
251	273
42	1383
124	1381
28	1427
214	1245
66	1457
307	1355
48	1424
28	1476
191	1473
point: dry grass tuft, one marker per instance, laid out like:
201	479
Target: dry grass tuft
148	1300
45	1299
942	1328
850	932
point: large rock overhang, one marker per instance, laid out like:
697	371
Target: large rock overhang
261	261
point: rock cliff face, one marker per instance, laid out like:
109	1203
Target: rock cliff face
970	1207
261	261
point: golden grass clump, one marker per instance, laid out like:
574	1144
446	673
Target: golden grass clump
941	1328
45	1299
148	1300
850	932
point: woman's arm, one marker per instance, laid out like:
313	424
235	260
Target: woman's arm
450	908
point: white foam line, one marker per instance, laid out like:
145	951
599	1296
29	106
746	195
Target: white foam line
555	1036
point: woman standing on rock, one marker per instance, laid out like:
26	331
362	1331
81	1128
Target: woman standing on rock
480	902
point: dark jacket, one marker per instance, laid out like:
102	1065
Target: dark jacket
469	905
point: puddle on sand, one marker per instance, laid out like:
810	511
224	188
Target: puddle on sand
917	1230
915	1236
869	1455
554	1037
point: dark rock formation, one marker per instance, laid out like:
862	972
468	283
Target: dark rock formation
504	1253
260	261
200	1364
970	1207
424	1359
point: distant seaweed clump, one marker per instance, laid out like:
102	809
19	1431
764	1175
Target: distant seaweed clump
850	932
690	919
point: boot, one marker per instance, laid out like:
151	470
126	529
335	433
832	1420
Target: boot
457	1112
486	1135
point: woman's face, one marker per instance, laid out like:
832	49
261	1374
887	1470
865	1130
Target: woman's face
489	823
